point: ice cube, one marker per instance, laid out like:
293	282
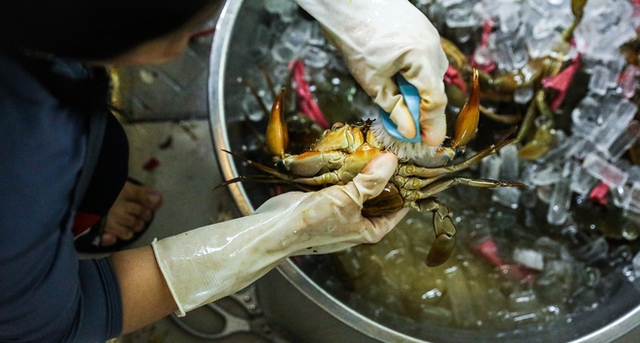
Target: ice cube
284	53
631	199
509	196
581	181
314	57
285	9
490	167
634	174
628	136
594	250
604	171
599	80
587	112
450	3
316	35
509	17
636	264
561	198
580	148
629	81
510	168
523	95
529	258
544	176
462	18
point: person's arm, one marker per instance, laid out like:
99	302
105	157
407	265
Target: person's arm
196	267
146	297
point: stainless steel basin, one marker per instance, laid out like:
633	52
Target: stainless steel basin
230	56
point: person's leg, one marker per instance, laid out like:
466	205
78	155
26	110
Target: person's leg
131	213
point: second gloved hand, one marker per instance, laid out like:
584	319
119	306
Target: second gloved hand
203	265
381	38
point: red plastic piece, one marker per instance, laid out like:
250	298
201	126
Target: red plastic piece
451	76
308	105
561	82
599	193
489	251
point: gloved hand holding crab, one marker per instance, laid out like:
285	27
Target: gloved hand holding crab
379	41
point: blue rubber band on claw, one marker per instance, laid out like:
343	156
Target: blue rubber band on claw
412	99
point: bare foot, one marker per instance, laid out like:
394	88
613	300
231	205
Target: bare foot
130	213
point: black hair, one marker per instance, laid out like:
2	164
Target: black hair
90	29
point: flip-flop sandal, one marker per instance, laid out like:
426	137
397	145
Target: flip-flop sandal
91	241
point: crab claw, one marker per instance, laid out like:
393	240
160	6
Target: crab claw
445	231
277	135
467	122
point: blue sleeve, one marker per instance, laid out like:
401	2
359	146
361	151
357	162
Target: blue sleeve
46	293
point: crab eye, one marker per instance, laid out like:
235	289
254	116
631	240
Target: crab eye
457	153
337	126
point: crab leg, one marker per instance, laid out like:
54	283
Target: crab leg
441	185
467	121
430	172
279	176
268	170
331	178
277	134
444	229
577	7
443	226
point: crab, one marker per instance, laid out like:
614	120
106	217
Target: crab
345	149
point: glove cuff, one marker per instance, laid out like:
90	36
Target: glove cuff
180	312
193	282
203	265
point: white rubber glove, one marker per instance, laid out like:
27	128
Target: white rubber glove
205	264
380	38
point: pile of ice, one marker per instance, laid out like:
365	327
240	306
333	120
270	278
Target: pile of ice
587	162
603	125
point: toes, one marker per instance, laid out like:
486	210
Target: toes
143	195
154	199
130	213
146	215
139	225
127	208
122	225
108	239
119	229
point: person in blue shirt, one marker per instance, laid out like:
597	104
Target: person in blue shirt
63	164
